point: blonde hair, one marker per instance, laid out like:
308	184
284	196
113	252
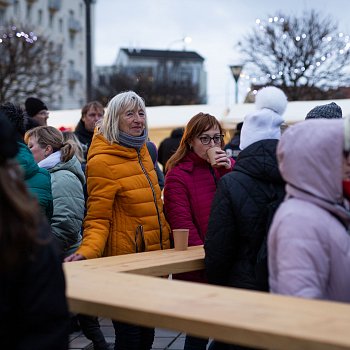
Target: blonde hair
119	104
78	149
50	136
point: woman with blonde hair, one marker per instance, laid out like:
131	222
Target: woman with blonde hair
67	180
190	185
124	209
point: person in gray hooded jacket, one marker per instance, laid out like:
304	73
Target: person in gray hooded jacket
67	180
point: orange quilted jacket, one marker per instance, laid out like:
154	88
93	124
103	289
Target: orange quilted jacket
124	209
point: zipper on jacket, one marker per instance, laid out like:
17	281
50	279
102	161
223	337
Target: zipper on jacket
212	172
154	198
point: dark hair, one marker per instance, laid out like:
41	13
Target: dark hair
15	115
196	126
19	217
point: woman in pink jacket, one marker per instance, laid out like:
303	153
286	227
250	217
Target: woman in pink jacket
309	241
190	186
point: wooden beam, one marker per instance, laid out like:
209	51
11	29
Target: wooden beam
156	263
227	314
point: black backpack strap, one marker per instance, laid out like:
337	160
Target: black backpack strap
152	150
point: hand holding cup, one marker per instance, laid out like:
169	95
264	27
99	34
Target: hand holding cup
218	158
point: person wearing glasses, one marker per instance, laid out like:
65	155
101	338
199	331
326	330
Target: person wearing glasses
37	113
124	208
190	186
245	202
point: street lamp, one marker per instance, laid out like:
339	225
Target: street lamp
88	4
236	72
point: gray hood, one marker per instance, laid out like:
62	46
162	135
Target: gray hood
73	165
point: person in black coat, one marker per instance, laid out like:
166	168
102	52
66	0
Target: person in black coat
169	146
245	202
33	307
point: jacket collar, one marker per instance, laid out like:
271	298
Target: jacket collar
192	160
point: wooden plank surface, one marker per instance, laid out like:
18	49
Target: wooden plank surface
227	314
156	263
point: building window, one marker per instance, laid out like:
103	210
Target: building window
81	9
60	25
29	12
2	16
51	19
71	85
40	17
16	7
71	40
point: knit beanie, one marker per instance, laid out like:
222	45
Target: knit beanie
33	106
265	122
328	111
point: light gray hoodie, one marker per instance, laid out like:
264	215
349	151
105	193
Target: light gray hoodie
308	243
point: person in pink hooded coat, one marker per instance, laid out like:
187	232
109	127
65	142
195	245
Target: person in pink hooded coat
309	241
190	185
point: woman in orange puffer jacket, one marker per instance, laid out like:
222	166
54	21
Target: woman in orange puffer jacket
124	209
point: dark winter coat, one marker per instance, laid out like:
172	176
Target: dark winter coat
84	136
169	146
33	308
237	224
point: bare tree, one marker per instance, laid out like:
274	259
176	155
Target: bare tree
30	64
305	56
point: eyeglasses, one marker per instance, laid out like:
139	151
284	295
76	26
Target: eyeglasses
206	139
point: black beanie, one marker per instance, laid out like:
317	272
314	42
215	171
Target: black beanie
33	106
328	111
8	143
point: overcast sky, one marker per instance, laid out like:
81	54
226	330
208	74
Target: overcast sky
215	26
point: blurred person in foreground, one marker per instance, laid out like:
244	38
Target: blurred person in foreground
52	153
190	186
125	209
33	308
309	242
245	202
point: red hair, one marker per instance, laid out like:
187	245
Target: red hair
198	124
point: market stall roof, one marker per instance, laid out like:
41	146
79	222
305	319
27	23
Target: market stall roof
169	117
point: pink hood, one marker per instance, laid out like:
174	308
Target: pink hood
301	152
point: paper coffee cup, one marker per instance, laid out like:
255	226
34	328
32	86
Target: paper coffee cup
181	238
211	153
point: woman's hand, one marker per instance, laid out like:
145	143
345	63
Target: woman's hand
74	257
222	160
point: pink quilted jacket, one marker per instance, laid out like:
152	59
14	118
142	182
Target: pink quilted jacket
189	190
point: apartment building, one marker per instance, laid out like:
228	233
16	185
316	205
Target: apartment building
63	21
167	68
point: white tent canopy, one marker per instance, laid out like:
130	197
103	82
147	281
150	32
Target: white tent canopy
169	117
